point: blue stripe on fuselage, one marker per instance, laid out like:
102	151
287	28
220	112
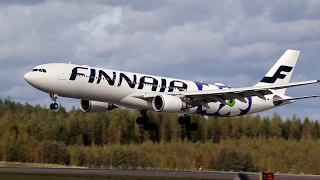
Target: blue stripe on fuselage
200	87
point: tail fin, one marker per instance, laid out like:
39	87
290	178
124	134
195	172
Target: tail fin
281	72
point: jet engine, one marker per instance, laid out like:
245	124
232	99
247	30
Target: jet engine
168	103
95	106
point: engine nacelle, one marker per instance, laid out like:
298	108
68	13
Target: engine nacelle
95	106
168	103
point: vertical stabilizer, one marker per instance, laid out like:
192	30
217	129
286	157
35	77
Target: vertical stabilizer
281	71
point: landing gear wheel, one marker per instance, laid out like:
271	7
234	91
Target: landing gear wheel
152	126
188	127
181	120
144	121
187	119
184	120
191	127
145	127
194	126
149	127
54	106
139	120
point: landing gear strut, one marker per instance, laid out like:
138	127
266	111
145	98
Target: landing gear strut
144	120
186	120
54	98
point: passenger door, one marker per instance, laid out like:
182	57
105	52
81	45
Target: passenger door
61	74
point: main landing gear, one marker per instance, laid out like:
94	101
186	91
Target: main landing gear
54	98
186	120
144	120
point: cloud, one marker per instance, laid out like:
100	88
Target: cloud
19	2
233	42
138	5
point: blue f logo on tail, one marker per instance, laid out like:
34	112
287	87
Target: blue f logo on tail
277	74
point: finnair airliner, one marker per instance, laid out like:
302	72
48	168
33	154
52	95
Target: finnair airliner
101	90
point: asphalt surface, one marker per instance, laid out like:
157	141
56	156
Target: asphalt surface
198	174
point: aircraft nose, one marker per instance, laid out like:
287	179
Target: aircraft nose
34	79
28	77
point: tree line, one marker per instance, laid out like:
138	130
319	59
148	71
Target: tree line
35	134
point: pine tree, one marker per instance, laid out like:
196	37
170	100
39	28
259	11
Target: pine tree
316	130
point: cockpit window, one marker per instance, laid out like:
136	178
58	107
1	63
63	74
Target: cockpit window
40	70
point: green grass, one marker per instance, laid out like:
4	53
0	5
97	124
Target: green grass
21	164
27	176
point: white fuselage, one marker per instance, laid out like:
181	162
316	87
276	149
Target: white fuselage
117	87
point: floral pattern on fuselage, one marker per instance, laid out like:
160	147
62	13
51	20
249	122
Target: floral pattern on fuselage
232	108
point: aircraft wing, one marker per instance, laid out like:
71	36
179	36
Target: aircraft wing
221	95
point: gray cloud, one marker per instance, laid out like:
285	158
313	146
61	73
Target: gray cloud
233	42
255	8
139	5
295	10
21	2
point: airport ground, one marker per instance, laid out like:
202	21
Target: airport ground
26	173
23	176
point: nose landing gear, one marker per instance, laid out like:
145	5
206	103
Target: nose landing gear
54	98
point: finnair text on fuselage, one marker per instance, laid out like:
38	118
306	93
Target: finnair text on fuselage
111	78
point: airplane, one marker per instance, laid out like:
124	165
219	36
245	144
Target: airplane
101	90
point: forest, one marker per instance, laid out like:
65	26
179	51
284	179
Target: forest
36	134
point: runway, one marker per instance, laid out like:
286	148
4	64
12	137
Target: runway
198	174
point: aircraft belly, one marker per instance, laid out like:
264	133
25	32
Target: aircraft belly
107	93
135	103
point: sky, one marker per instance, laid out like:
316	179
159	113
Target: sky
232	42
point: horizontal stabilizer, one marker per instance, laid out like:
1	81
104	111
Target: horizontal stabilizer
296	98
